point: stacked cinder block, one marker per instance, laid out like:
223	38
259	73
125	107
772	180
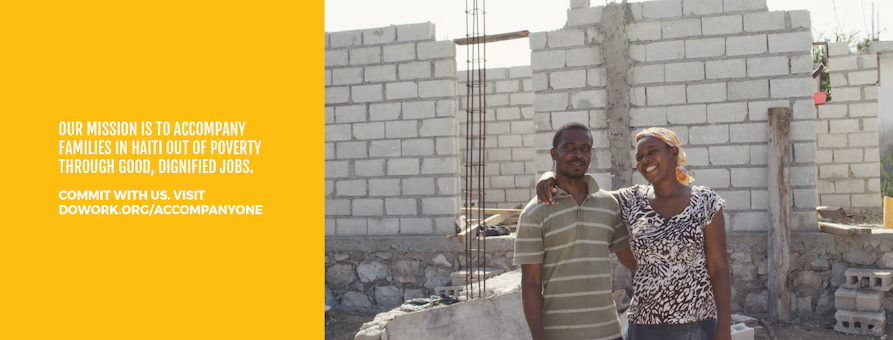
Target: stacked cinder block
391	132
860	301
509	175
847	154
708	70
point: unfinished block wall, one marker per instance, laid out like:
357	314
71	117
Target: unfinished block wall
509	175
706	69
847	154
391	132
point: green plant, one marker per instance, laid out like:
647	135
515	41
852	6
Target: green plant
887	179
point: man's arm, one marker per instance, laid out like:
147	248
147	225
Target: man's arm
718	269
532	298
545	187
627	259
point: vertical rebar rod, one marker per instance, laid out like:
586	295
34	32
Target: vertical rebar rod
475	137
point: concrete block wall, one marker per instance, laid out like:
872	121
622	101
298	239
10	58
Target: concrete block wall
706	69
847	152
391	135
509	175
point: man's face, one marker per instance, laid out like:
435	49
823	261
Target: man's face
573	153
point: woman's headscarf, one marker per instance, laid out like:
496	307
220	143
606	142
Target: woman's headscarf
670	138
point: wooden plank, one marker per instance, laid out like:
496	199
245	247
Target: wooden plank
842	229
829	212
489	211
780	202
493	38
492	220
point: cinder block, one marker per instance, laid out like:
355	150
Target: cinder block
680	28
550	102
666	50
759	111
336	58
644	31
568	79
437	88
732	155
729	68
336	169
838	49
444	165
664	95
588	99
727	112
862	77
401	90
832	111
638	53
800	19
584	16
687	114
648	116
440	205
748	133
596	77
849	186
513	85
648	74
703	48
544	60
863	110
844	63
729	24
381	35
844	126
584	57
337	94
846	156
790	42
345	38
350	113
416	226
791	87
350	188
367	207
436	49
701	7
350	226
684	71
706	93
414	70
801	64
869	300
525	99
374	130
537	40
743	5
338	132
418	110
745	45
860	323
565	38
413	32
662	9
380	73
450	290
418	186
637	96
402	52
709	134
846	94
418	147
862	139
771	66
365	56
579	3
740	331
713	178
347	76
748	177
401	129
867	170
764	21
384	187
438	127
365	93
874	279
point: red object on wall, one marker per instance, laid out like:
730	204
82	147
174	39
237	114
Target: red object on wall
819	97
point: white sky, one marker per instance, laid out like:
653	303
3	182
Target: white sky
505	16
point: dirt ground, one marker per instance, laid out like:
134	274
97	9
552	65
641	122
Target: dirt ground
804	326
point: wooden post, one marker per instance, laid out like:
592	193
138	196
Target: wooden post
780	202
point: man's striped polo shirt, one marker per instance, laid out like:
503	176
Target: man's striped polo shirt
573	243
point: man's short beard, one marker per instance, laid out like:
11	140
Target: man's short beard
573	175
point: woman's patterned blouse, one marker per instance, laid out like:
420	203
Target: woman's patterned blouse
671	283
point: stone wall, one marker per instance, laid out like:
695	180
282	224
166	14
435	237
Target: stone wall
509	175
706	69
380	273
847	154
391	132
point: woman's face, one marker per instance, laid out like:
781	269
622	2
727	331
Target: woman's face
655	160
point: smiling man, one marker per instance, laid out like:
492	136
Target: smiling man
563	248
